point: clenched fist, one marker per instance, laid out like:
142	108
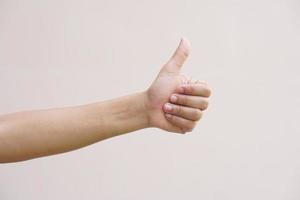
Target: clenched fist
174	102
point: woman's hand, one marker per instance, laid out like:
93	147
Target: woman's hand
174	102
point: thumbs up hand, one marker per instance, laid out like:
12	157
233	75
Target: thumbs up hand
174	102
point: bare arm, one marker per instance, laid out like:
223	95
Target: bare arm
171	103
31	134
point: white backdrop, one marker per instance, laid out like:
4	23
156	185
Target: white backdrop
70	52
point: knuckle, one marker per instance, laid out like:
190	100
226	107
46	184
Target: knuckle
205	104
188	89
192	90
189	127
207	91
182	131
197	114
168	67
184	52
203	82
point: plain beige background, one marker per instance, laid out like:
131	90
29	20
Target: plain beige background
70	52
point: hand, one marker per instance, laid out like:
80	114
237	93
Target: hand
174	103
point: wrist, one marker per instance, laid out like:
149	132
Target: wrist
132	111
144	109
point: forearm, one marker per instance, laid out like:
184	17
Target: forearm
31	134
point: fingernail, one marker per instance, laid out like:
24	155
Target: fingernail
173	98
168	107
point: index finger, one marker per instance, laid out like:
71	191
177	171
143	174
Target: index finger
195	89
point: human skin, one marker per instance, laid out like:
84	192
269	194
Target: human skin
172	103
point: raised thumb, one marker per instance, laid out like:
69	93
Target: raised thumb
178	58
